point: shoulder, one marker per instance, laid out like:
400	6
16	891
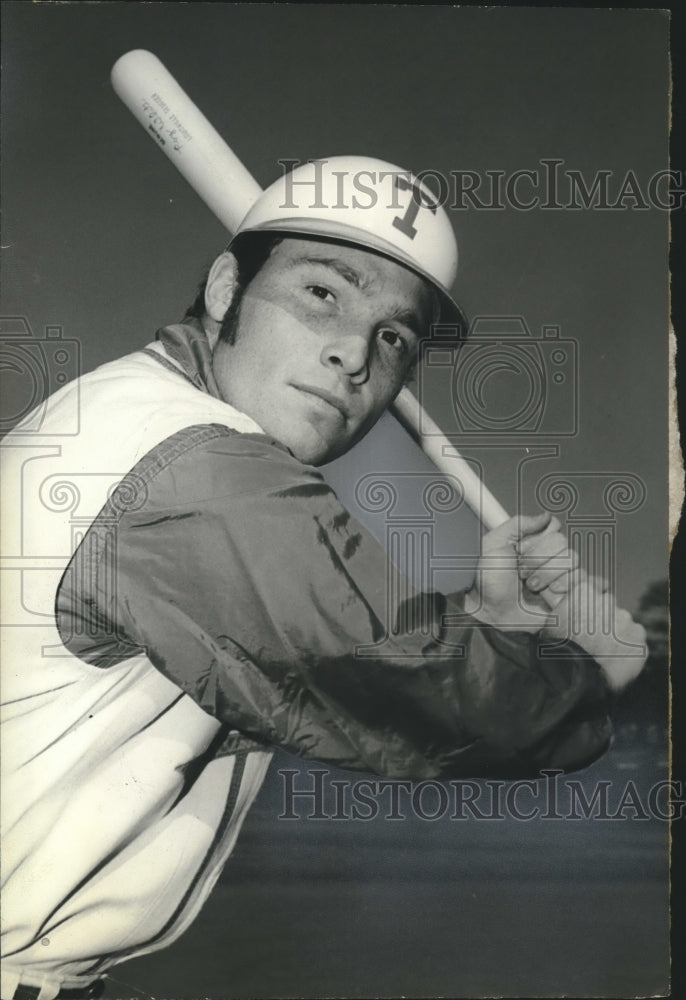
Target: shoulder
211	462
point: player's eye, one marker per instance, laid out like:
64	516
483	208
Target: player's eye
393	339
320	292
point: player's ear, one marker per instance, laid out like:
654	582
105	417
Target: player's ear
221	285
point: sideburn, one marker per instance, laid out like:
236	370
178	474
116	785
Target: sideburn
229	326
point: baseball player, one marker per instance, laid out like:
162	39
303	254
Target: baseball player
212	600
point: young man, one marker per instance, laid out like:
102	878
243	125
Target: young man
209	599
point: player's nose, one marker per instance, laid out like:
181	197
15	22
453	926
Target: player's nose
348	354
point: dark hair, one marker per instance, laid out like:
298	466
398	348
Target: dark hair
250	250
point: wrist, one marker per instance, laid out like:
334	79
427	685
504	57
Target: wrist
474	606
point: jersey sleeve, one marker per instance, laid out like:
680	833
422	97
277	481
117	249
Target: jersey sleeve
244	580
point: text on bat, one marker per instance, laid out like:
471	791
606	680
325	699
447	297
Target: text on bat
171	131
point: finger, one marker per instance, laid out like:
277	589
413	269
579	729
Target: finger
595	584
547	547
551	598
557	567
578	589
509	533
532	524
568	582
529	539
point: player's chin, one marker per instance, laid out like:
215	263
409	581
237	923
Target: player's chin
325	434
316	447
320	453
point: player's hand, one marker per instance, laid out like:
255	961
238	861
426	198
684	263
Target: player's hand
525	567
529	579
589	616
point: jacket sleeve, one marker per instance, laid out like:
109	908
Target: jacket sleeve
238	572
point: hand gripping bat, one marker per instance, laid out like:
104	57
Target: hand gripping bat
200	154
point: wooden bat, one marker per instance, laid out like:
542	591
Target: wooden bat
197	150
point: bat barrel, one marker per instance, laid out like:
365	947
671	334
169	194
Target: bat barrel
185	135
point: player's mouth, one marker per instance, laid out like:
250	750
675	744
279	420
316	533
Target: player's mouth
331	398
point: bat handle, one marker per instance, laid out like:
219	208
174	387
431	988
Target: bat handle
447	459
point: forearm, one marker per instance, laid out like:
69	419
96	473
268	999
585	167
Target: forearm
474	702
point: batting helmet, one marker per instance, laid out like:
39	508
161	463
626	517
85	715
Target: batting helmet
367	203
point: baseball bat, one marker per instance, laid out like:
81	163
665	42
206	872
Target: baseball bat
197	150
185	136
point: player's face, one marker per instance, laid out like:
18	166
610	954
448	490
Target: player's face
325	335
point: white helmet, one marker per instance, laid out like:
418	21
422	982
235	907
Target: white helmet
369	203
